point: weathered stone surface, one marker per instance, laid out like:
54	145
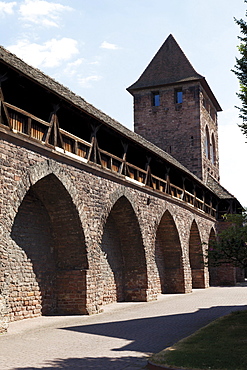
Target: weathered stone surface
75	238
180	129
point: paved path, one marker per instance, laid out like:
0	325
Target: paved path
120	338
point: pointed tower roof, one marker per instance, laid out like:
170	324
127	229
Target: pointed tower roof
170	66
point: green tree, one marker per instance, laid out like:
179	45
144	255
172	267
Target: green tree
231	244
240	70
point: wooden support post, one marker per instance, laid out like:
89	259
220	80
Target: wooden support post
94	150
194	195
203	198
211	205
4	108
48	134
57	136
76	147
29	125
91	148
55	128
168	185
148	179
217	210
122	169
183	194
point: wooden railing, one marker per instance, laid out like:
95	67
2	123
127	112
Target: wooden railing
35	128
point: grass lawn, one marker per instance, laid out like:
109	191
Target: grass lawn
221	345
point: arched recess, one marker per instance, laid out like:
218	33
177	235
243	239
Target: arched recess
48	230
211	269
196	257
168	255
123	262
207	143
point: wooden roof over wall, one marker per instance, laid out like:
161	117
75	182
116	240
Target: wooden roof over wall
46	82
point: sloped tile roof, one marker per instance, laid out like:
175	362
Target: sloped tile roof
57	88
170	66
218	189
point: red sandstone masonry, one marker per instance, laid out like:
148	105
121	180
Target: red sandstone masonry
71	270
179	129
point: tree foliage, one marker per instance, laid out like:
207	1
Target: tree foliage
240	70
231	244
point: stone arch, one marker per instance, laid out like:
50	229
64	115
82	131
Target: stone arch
196	257
168	256
122	191
123	262
33	175
51	249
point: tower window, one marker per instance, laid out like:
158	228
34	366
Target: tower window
213	150
156	99
207	143
178	96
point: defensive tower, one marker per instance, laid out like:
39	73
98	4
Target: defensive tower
175	109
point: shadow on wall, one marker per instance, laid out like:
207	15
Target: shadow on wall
123	262
168	256
51	261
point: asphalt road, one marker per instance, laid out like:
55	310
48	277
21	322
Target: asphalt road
120	338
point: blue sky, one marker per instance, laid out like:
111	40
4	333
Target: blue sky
98	48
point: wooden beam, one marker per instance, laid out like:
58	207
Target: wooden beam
123	169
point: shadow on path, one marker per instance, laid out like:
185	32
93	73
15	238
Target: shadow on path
147	336
152	334
100	363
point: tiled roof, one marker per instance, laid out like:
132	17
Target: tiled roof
170	66
218	189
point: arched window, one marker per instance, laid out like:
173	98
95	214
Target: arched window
213	150
207	143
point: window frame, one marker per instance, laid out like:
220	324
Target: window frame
155	98
178	96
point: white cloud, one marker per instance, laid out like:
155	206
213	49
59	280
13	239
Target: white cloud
107	45
96	63
72	67
85	81
76	63
42	12
7	8
50	54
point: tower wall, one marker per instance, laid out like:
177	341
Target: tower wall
175	109
183	129
209	122
174	127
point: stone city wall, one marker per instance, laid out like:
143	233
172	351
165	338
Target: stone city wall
75	237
